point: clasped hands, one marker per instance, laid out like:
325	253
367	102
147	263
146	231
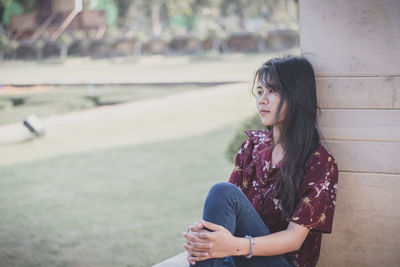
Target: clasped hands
202	244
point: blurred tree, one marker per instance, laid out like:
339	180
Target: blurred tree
123	7
64	42
111	10
145	15
272	10
28	5
83	40
86	4
15	7
39	44
157	14
5	2
7	45
11	8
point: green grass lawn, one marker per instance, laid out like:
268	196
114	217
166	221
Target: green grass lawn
114	207
116	185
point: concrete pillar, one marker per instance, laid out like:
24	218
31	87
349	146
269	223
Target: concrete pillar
354	47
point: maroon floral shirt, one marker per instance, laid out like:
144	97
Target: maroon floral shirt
316	196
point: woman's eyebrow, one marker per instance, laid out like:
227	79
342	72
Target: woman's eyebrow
271	85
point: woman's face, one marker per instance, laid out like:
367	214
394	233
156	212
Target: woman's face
268	100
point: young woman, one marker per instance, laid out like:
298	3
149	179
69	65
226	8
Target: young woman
281	195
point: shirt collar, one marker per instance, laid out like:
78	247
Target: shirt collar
263	143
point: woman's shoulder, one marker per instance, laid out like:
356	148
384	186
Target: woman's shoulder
321	155
321	163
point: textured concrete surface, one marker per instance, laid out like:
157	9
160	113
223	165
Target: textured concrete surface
351	38
176	261
354	47
366	222
359	92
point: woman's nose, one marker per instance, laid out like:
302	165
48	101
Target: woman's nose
263	99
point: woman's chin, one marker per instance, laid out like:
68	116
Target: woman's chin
266	124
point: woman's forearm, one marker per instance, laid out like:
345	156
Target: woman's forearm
274	244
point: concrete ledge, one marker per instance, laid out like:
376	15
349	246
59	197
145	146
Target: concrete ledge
176	261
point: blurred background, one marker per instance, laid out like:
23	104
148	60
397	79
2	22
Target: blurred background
117	116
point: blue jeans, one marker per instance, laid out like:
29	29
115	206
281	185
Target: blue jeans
226	205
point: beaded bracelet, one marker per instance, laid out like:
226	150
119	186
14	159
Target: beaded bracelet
251	246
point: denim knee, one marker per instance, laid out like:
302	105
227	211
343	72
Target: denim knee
223	189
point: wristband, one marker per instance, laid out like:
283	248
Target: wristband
251	246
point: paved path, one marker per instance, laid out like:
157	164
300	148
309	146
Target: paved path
194	113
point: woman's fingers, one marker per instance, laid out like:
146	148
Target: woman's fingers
190	261
201	245
197	246
203	235
211	226
194	237
198	254
195	227
197	258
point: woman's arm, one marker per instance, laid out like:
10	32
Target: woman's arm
221	243
277	243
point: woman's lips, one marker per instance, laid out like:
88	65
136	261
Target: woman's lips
264	111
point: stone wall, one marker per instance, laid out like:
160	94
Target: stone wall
354	47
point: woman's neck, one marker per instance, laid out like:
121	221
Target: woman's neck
277	151
275	135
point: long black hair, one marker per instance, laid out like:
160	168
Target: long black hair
293	78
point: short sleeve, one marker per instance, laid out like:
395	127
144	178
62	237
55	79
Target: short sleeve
317	195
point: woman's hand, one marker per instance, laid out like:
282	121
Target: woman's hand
193	239
202	244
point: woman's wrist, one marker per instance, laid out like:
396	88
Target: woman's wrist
242	247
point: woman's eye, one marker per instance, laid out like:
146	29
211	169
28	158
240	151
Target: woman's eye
259	92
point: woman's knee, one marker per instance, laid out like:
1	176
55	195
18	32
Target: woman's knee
223	189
